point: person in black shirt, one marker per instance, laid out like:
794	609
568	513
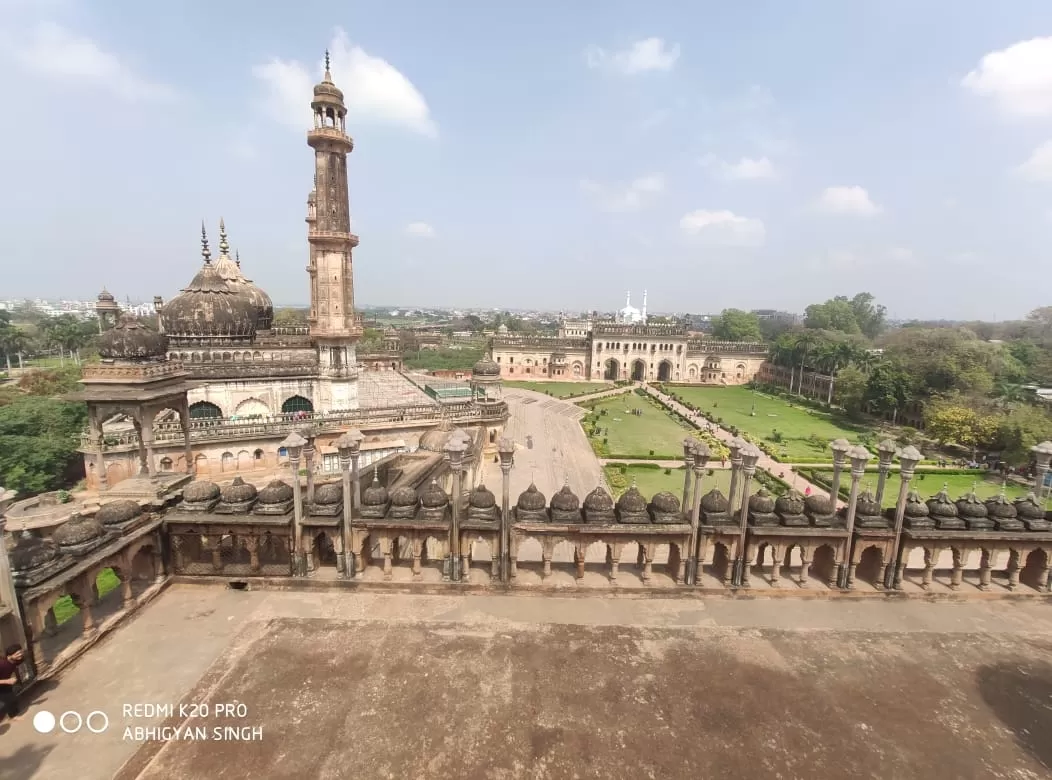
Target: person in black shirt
9	663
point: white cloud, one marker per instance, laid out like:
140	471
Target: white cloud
642	56
420	229
374	90
723	228
747	168
900	254
1038	167
847	200
630	197
56	53
1018	79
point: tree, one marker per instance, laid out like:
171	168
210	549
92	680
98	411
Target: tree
888	388
868	316
950	421
38	443
851	386
13	341
66	333
835	314
1020	429
290	318
736	325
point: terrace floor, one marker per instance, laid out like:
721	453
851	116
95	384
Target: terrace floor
401	685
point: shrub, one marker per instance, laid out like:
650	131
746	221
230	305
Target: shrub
668	472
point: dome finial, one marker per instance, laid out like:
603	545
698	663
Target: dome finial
237	258
224	245
205	251
328	75
376	476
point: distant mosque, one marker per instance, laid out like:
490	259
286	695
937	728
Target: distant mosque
630	315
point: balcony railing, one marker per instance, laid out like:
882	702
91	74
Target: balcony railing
271	426
700	346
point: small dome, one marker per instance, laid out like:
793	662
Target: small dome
915	505
201	491
482	498
486	367
761	502
1030	508
632	501
435	439
329	494
238	491
598	501
565	500
531	499
77	530
129	339
404	496
791	503
434	497
230	271
867	505
940	505
714	502
971	506
31	552
105	296
999	507
665	502
118	512
375	494
326	89
276	492
818	504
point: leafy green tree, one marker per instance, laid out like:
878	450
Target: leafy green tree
851	384
889	387
835	314
869	316
952	422
1020	429
737	325
290	318
38	443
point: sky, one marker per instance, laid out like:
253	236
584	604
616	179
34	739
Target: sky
552	155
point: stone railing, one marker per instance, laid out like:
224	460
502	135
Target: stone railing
703	346
639	330
293	330
541	342
104	371
270	426
252	369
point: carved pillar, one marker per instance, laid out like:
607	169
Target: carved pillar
7	585
299	564
95	432
143	468
147	439
356	480
699	457
749	456
345	560
252	543
840	448
905	474
1015	566
184	424
308	464
776	566
859	456
960	561
931	558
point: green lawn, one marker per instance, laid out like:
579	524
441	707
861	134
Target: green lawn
929	483
64	608
563	389
652	434
651	481
805	433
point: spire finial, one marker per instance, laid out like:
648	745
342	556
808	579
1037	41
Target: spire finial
237	257
328	75
376	475
224	245
206	253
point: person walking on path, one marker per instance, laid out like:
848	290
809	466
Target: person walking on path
13	656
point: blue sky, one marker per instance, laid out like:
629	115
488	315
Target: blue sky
542	154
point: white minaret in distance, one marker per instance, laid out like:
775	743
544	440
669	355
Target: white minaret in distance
644	307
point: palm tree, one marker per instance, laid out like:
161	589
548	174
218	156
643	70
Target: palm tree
13	341
804	344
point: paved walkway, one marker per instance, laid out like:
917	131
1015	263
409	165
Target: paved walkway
165	651
768	464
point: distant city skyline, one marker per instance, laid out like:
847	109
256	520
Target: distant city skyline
551	153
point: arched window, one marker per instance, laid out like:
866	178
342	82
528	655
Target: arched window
257	455
166	464
203	410
297	403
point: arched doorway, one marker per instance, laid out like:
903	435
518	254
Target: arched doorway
665	371
204	410
639	370
611	370
297	403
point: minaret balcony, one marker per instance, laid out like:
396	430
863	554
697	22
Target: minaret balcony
323	135
333	236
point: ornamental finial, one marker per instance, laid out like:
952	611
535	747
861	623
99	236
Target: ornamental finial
206	253
328	75
224	245
237	257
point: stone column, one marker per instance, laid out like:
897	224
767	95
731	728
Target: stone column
293	444
184	423
144	469
95	431
749	456
688	462
885	451
147	440
345	559
308	463
699	458
455	448
736	445
840	448
909	459
506	451
859	457
7	585
356	480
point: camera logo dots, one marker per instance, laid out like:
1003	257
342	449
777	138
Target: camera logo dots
71	722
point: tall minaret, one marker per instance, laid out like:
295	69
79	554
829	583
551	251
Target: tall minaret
644	307
333	328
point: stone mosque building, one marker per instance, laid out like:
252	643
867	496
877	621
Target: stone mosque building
247	382
627	347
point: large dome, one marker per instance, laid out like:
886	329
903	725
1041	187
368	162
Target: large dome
130	339
230	271
209	307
